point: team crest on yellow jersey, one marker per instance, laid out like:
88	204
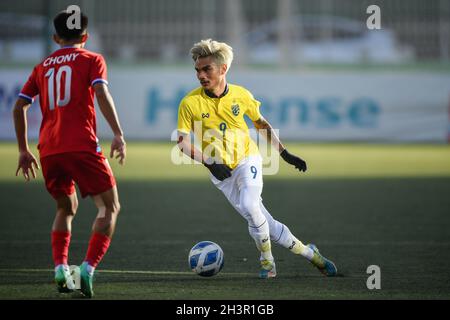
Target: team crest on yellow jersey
235	108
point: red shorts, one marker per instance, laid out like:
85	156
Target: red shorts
91	172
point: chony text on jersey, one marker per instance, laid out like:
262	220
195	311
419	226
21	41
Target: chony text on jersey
60	59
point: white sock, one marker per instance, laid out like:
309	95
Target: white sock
262	240
90	269
64	266
289	241
298	247
266	251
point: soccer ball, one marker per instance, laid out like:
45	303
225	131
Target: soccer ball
206	258
75	273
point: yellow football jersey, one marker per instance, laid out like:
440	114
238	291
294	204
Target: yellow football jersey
219	122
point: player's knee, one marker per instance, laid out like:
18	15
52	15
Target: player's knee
250	206
110	211
113	207
67	211
256	222
253	214
74	206
106	219
68	208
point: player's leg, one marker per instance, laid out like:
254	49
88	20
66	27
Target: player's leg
62	226
61	234
61	186
281	234
108	207
94	177
102	231
66	208
250	183
258	226
243	191
243	200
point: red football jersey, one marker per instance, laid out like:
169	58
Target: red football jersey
64	83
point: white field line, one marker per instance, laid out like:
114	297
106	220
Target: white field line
322	243
121	272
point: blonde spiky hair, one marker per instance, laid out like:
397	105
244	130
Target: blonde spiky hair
221	52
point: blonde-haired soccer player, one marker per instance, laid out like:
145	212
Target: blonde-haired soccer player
232	156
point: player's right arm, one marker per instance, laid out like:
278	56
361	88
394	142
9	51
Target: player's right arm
219	170
185	120
27	161
106	104
185	145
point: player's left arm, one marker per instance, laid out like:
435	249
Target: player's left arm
265	128
27	161
106	104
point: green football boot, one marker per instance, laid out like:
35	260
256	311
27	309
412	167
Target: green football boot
86	280
63	279
325	266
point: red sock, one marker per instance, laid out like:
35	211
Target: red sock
98	245
60	246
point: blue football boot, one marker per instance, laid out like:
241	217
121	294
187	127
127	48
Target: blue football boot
325	266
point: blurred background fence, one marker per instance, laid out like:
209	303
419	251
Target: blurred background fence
318	70
264	31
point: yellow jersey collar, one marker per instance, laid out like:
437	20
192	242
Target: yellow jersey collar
212	95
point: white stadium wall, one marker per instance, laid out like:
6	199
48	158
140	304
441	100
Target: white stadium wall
351	106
